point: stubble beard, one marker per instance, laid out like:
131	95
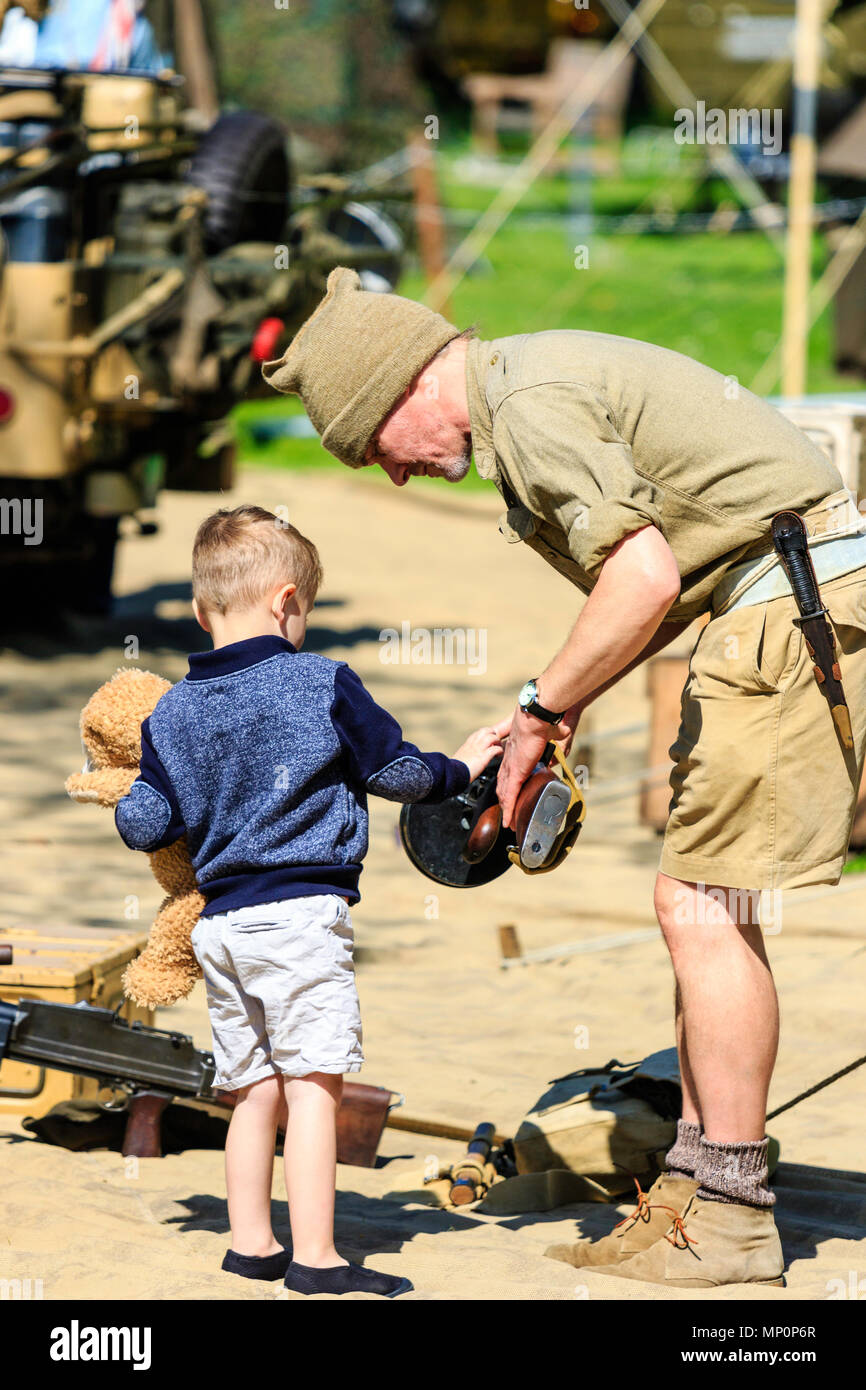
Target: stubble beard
454	470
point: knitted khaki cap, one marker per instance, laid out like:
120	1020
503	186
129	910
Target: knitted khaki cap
354	357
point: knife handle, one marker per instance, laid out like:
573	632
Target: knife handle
792	545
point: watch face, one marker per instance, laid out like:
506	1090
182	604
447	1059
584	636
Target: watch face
527	694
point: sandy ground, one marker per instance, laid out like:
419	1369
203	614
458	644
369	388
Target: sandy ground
460	1037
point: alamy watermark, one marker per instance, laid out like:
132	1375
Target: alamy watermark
854	1287
22	516
737	126
714	906
436	646
15	1289
77	1343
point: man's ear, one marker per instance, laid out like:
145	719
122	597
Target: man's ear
200	616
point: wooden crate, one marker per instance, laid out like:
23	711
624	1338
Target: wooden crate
839	429
63	965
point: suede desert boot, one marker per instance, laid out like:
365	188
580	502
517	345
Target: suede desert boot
712	1243
651	1218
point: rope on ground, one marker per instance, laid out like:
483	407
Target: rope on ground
804	1095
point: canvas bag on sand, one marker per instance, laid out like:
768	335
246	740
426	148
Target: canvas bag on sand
602	1124
567	1147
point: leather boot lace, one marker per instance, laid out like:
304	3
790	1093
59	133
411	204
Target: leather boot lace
680	1239
644	1205
678	1227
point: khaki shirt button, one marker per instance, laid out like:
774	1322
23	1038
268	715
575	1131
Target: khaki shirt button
494	359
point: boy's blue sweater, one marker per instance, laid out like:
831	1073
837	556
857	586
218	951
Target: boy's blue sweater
263	757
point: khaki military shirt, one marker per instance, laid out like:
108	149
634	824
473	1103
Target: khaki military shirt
589	437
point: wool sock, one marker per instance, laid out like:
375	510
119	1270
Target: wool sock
734	1173
682	1158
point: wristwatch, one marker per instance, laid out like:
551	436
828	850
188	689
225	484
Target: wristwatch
528	702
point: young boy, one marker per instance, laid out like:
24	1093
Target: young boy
263	757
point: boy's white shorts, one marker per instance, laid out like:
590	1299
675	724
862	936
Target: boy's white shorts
280	989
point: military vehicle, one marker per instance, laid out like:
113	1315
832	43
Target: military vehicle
153	252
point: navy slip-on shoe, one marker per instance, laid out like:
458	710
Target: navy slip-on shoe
350	1278
257	1266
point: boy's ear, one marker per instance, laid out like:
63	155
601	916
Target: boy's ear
281	600
200	617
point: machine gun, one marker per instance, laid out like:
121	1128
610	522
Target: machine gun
150	1067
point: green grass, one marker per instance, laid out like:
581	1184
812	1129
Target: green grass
277	453
714	297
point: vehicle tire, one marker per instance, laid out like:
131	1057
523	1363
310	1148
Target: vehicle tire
69	570
242	164
88	586
369	229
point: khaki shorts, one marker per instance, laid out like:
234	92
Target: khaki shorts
764	794
280	989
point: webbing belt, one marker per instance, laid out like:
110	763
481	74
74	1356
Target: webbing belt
762	579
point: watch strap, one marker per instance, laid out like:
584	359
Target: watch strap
540	712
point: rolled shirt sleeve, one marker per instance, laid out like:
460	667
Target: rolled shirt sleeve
567	463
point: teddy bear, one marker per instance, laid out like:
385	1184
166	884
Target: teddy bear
111	734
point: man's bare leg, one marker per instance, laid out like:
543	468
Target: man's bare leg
728	1005
691	1108
727	1031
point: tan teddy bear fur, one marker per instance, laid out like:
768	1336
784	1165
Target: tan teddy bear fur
111	733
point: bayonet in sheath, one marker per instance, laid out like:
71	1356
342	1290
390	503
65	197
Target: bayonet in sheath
792	545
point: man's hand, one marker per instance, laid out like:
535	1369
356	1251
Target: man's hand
570	721
527	740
